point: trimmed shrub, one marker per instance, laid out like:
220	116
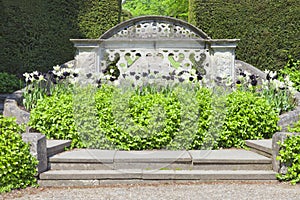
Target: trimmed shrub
36	34
268	29
17	165
97	16
9	83
53	116
289	154
136	120
247	117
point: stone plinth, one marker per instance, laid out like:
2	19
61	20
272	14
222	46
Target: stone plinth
38	148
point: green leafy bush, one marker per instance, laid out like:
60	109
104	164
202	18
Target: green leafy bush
17	165
267	28
53	116
138	120
247	117
9	83
295	127
289	154
292	69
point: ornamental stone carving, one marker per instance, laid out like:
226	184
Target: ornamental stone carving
145	45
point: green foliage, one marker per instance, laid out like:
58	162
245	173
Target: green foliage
137	120
292	69
9	83
268	29
296	127
155	117
86	118
17	165
35	35
53	116
247	117
289	154
97	16
171	8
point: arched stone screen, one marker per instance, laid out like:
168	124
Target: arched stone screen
152	44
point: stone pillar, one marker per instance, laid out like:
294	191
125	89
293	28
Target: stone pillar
38	148
87	59
222	57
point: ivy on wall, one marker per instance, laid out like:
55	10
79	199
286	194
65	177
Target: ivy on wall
268	29
34	34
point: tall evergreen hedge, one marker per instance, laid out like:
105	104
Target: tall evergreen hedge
34	34
268	29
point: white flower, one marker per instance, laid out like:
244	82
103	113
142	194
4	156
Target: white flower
272	74
58	73
277	84
56	68
69	65
111	71
41	78
35	73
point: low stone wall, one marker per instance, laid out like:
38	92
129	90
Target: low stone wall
12	109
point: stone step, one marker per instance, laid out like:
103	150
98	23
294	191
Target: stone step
262	147
57	146
97	177
92	159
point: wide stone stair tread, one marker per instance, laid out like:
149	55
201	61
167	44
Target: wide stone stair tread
195	156
263	147
95	177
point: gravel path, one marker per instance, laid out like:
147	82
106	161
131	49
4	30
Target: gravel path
192	190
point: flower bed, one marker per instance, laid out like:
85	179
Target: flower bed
183	115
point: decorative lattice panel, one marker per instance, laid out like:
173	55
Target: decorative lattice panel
162	61
149	30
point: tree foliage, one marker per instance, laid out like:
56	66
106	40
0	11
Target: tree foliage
172	8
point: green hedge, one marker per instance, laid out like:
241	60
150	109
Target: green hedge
97	16
17	165
268	29
177	118
34	35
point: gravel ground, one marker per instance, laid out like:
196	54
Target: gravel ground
192	190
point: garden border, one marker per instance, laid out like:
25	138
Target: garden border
11	109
